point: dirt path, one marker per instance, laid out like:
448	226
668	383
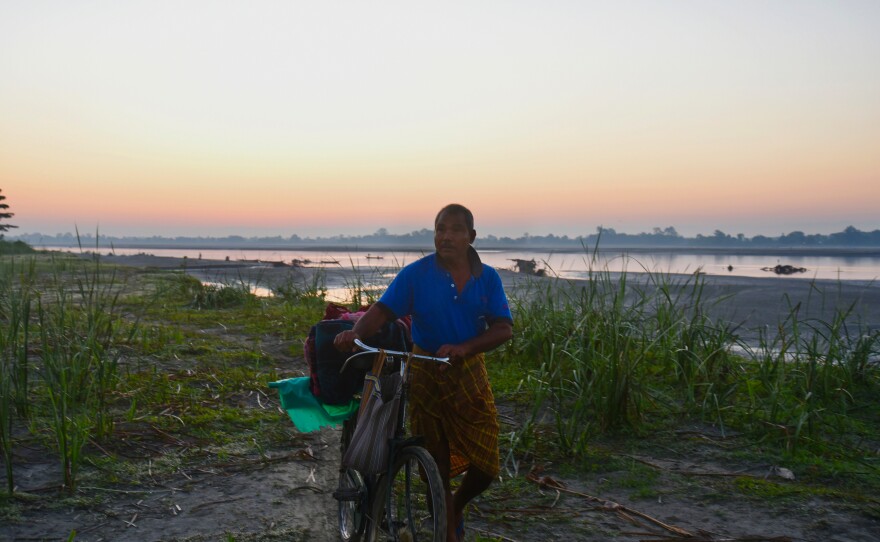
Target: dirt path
280	494
286	496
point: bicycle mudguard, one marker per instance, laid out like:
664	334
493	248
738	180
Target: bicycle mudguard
398	444
350	493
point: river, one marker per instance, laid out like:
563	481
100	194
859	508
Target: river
830	265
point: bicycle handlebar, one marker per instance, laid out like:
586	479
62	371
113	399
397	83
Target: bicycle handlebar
367	349
373	350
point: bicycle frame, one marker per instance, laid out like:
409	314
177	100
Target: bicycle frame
369	350
399	443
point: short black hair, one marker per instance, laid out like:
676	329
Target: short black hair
457	209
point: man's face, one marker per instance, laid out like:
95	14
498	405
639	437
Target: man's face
452	237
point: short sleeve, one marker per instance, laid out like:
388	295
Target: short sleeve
398	297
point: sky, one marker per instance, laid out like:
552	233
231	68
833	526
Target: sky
322	118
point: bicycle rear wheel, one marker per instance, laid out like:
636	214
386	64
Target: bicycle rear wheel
411	507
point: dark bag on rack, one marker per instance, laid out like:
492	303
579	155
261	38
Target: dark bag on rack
325	362
333	387
380	406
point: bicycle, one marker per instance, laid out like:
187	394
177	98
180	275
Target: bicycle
407	502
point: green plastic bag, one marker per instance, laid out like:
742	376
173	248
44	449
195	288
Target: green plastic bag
306	412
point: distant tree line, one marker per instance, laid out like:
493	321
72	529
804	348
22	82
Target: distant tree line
604	237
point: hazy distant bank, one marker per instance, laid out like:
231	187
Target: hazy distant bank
104	246
849	241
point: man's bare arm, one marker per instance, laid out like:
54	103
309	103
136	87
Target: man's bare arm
497	334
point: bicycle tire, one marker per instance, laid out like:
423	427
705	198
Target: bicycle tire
417	510
350	517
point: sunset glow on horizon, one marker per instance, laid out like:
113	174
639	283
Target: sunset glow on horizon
281	118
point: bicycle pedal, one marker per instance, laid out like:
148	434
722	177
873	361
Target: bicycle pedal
347	494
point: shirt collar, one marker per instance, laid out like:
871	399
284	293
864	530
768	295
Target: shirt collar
474	260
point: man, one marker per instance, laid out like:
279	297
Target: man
459	309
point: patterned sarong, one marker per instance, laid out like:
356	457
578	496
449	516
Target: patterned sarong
456	405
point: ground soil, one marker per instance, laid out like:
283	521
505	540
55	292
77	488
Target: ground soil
285	493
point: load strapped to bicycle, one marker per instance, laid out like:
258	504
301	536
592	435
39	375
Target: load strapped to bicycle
389	485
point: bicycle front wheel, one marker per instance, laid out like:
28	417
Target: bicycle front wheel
411	505
351	493
351	520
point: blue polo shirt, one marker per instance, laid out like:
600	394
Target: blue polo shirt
440	315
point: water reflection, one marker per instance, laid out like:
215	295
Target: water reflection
564	264
339	295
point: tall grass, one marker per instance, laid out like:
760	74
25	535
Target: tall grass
16	280
366	284
600	347
61	338
806	376
81	336
631	350
16	301
302	287
6	417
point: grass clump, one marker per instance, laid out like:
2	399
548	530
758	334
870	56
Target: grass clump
58	355
598	352
629	354
218	296
91	352
301	289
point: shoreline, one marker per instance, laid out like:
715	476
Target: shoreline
848	265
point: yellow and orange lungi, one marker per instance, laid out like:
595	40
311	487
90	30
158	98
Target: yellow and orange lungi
456	405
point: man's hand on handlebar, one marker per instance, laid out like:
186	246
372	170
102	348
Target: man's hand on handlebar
455	353
344	341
